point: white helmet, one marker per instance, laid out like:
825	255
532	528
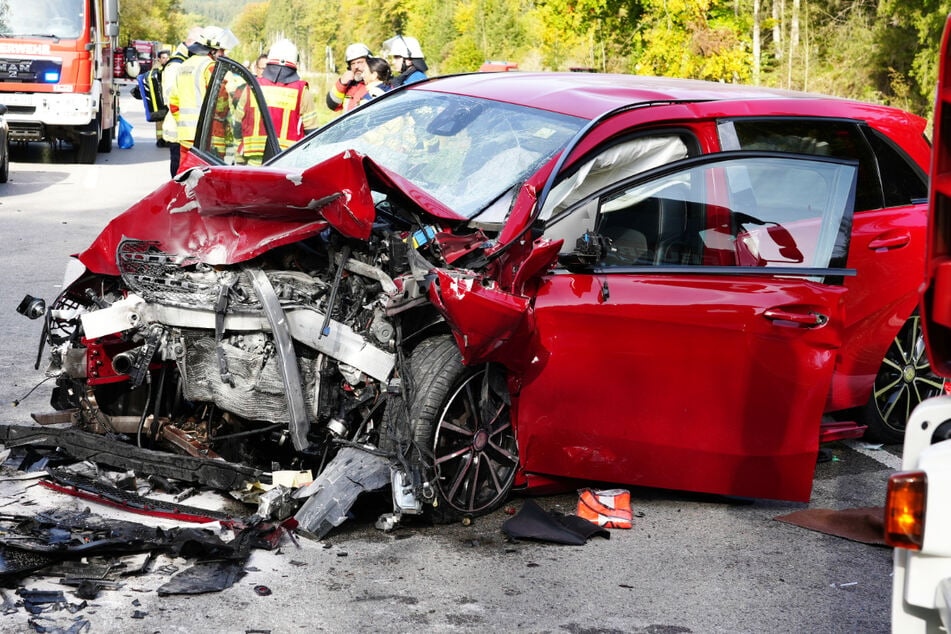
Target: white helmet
283	52
215	37
403	46
193	35
356	51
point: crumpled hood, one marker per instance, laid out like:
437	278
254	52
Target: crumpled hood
225	215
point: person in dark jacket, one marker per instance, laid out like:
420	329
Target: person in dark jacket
376	77
406	60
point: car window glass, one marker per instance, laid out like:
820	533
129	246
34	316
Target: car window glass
821	137
224	138
466	152
613	165
903	182
745	211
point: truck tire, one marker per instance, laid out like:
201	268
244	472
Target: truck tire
86	149
105	142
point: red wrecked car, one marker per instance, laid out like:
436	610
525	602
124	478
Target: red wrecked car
515	280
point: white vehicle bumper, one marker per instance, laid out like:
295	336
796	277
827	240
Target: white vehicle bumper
921	587
29	110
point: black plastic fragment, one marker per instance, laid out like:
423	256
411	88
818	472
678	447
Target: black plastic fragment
125	498
81	445
532	522
207	576
334	491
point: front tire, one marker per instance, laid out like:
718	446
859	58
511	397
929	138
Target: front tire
903	380
461	425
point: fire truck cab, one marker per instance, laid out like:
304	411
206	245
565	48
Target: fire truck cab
56	72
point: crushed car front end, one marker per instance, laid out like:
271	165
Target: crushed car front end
269	317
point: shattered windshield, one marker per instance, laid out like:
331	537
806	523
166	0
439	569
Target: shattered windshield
466	152
41	18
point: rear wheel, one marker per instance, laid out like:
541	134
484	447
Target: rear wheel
903	380
86	149
460	422
105	143
4	164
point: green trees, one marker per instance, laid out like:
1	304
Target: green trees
878	50
159	20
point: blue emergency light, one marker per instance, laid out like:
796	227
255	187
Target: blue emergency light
51	76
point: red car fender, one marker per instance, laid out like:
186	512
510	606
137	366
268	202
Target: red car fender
483	320
544	254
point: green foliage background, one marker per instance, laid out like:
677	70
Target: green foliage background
875	50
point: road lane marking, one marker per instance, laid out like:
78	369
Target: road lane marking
890	460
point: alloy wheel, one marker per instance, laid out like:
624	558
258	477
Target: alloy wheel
905	378
475	456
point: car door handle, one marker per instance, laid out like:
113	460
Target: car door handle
810	319
890	240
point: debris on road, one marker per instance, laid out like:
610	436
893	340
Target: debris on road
866	524
532	522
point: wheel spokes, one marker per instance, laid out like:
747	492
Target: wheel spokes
476	457
886	388
455	454
892	402
473	484
451	426
503	454
932	382
460	476
899	347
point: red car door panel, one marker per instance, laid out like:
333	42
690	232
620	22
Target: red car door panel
680	382
672	372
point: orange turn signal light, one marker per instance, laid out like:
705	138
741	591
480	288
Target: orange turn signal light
905	510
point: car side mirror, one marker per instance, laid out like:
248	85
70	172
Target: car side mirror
590	249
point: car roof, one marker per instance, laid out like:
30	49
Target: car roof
588	95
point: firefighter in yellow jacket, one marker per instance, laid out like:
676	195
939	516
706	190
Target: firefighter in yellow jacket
191	83
290	104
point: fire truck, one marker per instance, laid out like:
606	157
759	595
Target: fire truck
56	72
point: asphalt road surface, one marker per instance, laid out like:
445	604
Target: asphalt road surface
691	563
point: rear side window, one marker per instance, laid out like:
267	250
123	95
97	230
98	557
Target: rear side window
823	137
904	183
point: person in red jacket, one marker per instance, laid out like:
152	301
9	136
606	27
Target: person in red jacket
290	105
350	88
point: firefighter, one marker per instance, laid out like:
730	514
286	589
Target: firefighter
350	88
291	105
191	82
169	72
406	60
160	63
